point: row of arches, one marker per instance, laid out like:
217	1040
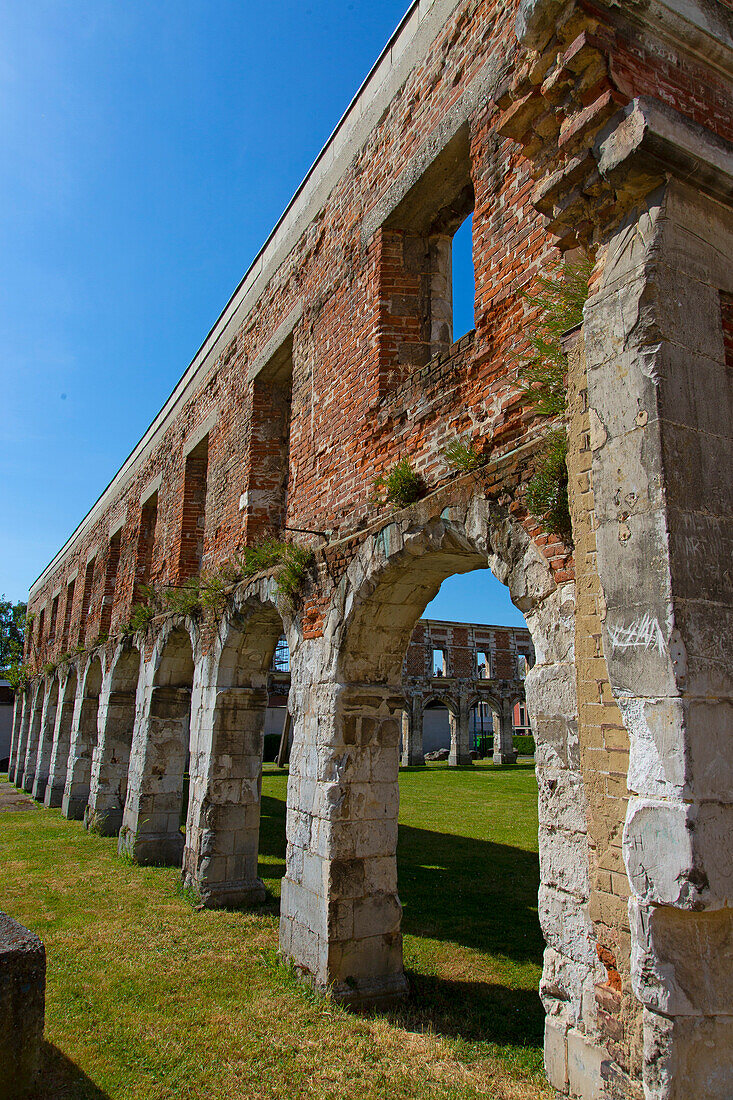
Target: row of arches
139	726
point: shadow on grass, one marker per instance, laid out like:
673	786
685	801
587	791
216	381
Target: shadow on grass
473	892
472	1011
61	1079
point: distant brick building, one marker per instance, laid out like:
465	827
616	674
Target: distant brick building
461	680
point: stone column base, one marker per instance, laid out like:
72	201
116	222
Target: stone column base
164	850
39	788
73	807
53	797
230	895
28	780
104	822
382	995
460	760
505	757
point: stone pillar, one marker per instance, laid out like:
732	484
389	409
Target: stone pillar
45	742
223	827
340	914
412	733
79	769
151	822
460	734
110	761
23	740
22	1009
504	734
31	751
661	456
59	763
18	709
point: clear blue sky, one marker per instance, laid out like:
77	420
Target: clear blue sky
148	149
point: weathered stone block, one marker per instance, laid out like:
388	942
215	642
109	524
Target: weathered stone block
22	1008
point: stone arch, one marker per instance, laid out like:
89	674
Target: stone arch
17	762
151	820
34	733
84	737
58	766
17	733
111	757
222	836
45	739
340	913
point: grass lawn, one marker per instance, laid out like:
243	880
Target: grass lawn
150	999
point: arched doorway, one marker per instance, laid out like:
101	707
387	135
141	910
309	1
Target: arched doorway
222	836
112	755
154	804
59	763
84	735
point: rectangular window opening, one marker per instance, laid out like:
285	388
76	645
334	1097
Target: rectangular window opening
427	281
86	598
439	663
145	545
110	581
54	617
193	521
483	664
265	500
67	614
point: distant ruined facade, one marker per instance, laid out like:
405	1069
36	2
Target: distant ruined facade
558	124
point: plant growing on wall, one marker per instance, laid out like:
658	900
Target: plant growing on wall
461	454
295	563
184	599
559	299
401	485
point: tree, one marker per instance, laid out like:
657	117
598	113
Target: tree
12	633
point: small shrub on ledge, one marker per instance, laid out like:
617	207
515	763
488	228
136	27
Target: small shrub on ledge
402	485
461	455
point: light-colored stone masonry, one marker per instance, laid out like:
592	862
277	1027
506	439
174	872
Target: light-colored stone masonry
561	124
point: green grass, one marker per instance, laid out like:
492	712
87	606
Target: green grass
151	999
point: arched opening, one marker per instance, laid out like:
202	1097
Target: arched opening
349	726
155	804
84	736
45	741
62	743
34	734
112	755
222	837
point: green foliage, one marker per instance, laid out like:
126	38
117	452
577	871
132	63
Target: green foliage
13	624
262	555
401	484
295	563
547	491
559	298
184	599
49	668
141	616
461	454
18	675
524	744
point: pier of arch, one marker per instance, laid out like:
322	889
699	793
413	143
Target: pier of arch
563	125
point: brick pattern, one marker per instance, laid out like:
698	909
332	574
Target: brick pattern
110	578
604	744
193	515
461	643
145	546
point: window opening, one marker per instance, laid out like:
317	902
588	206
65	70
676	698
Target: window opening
86	598
54	617
438	666
483	665
67	613
146	543
463	280
110	580
193	523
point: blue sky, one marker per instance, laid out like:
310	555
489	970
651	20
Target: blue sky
149	146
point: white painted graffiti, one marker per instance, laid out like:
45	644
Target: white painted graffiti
643	633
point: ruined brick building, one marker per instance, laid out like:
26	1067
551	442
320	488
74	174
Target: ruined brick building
559	124
459	680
